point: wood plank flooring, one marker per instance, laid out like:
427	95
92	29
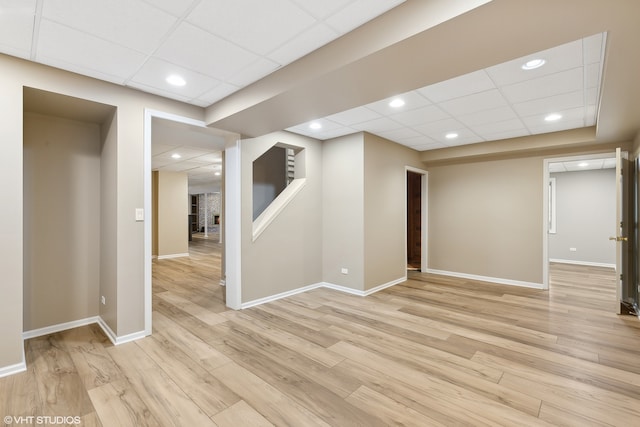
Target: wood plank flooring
431	351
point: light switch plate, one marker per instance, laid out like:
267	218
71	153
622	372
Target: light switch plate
139	214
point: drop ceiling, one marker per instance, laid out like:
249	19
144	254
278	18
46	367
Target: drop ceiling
259	66
217	46
498	102
583	165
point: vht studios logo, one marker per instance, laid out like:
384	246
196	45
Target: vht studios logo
41	420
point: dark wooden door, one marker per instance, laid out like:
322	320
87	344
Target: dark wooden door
414	220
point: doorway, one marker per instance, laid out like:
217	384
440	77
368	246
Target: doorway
181	130
416	219
588	207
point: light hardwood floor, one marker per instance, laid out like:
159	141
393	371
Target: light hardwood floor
430	351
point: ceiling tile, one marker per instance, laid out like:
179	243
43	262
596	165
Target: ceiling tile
550	104
493	115
154	72
322	9
378	125
129	23
437	130
550	85
560	58
467	84
304	43
161	148
86	54
198	50
583	165
354	116
16	27
159	92
400	134
258	26
473	103
174	7
359	12
593	47
412	100
253	72
556	167
427	114
217	93
488	130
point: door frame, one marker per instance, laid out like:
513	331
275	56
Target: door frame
545	204
424	226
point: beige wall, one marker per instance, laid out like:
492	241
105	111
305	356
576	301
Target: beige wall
288	253
154	213
129	191
343	214
173	213
485	219
108	222
61	220
385	199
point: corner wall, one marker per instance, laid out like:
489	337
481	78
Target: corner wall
343	211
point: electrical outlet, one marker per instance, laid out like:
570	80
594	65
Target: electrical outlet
344	271
103	300
572	249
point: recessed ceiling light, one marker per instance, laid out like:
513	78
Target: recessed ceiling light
176	156
315	126
217	173
396	103
583	164
553	117
176	80
451	135
533	64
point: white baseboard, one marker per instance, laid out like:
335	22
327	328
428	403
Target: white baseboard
5	371
170	256
117	340
585	263
363	293
58	328
321	285
281	295
497	280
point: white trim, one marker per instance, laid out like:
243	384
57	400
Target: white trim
332	286
59	327
281	295
232	225
5	371
116	340
170	256
586	263
368	291
273	210
495	280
